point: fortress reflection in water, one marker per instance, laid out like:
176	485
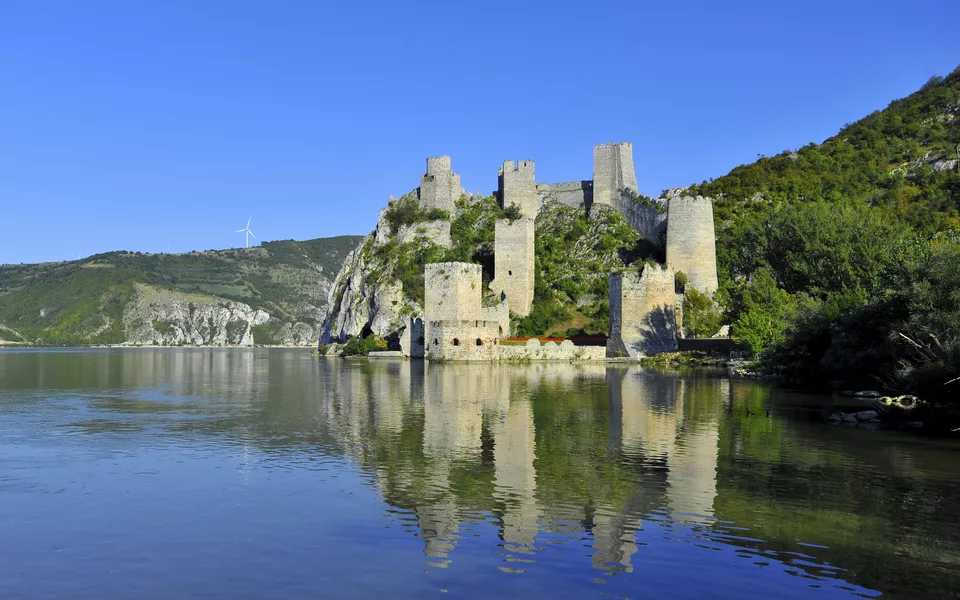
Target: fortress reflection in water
468	444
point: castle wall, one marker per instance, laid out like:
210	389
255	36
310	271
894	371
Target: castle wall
564	351
452	292
462	340
500	314
513	264
691	241
646	220
440	186
517	185
572	193
613	171
643	317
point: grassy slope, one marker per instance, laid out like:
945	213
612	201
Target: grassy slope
81	301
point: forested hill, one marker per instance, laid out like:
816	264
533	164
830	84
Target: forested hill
841	260
899	158
90	301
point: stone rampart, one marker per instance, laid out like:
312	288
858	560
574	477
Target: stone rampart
440	186
578	194
462	340
691	241
501	314
517	185
452	292
514	264
643	317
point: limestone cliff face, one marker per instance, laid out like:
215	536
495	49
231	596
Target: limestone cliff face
361	299
159	317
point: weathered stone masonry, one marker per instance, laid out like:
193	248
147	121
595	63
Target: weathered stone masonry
517	185
691	241
514	264
643	319
440	186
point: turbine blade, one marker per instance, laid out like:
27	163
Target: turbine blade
240	231
251	233
248	221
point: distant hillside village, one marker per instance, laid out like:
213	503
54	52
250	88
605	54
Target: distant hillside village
645	299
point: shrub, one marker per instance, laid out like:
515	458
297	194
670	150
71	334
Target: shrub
700	318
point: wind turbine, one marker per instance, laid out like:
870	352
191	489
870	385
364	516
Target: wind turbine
247	231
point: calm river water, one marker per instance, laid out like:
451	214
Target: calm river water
272	474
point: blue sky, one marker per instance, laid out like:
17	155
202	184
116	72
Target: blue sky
142	125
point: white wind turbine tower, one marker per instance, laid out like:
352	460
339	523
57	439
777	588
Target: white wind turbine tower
247	231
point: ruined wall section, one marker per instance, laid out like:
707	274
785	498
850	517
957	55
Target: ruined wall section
572	193
452	292
643	318
691	241
514	264
517	185
648	221
440	186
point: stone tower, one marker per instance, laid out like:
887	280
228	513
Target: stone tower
691	241
440	186
518	186
643	314
452	292
513	264
612	172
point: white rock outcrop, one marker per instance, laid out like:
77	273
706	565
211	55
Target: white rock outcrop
159	317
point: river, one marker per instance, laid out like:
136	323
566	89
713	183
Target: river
202	473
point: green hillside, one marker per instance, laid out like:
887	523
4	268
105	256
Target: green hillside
841	260
81	302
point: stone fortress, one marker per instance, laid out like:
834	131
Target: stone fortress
645	309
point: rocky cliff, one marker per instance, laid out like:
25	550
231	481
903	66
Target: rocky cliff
158	317
271	294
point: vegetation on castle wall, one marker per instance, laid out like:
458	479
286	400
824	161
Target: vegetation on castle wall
406	210
700	318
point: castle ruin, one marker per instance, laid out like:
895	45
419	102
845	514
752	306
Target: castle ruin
516	185
691	245
455	326
645	309
440	186
643	315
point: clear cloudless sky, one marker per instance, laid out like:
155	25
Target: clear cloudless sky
144	125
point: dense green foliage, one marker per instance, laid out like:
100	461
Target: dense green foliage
836	261
574	256
82	302
700	318
406	211
363	346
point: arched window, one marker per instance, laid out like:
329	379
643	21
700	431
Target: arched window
456	342
436	341
509	272
479	342
500	330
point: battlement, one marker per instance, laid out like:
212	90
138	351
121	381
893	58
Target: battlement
517	165
691	241
439	186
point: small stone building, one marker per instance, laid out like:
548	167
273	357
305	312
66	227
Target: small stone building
643	313
456	326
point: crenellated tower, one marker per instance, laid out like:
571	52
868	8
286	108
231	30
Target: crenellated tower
517	185
440	186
